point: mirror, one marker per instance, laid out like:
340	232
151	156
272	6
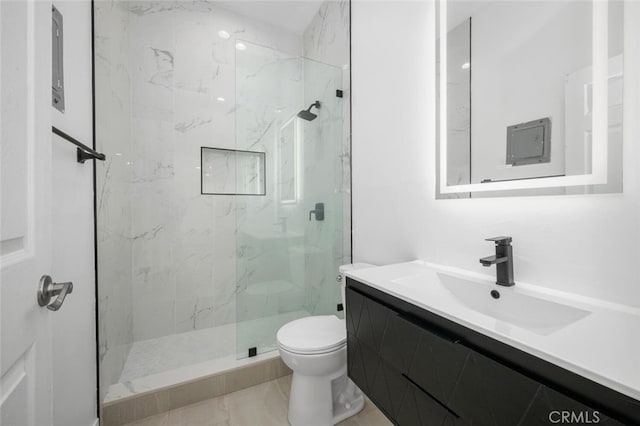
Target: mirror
529	97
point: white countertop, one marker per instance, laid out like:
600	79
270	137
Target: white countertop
603	346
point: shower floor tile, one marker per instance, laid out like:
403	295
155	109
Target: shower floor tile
265	404
169	360
166	353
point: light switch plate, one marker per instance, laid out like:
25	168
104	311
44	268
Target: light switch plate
57	62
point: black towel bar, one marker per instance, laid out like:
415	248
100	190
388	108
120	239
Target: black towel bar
84	153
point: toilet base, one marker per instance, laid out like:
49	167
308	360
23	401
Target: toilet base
323	401
349	403
321	393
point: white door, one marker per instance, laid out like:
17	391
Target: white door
25	211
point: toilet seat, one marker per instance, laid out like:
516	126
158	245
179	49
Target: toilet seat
313	335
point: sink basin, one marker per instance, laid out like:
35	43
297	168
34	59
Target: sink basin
526	311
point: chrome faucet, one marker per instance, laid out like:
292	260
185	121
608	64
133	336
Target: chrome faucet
503	260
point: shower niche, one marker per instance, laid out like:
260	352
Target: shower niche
232	172
215	159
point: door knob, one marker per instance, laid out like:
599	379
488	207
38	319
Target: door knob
47	289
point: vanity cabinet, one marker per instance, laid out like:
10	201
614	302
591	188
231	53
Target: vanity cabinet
420	373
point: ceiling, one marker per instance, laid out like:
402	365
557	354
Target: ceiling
290	15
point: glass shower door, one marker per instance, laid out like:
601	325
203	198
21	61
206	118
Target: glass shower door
290	241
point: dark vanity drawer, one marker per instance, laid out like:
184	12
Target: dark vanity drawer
414	369
393	393
491	393
468	383
383	385
366	319
388	355
430	358
549	406
437	359
419	408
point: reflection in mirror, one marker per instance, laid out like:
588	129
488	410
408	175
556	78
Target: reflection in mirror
287	173
520	100
459	111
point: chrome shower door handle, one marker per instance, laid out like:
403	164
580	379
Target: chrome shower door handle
47	289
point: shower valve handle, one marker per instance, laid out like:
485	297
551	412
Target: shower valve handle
318	212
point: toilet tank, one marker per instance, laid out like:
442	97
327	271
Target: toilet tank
343	281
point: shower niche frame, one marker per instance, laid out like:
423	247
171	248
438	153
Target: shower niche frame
237	175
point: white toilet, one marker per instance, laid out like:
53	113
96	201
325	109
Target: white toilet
315	348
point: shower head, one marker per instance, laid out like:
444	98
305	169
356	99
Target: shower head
306	114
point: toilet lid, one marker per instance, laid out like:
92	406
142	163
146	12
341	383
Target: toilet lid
313	335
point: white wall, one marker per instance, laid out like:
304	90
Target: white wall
583	244
74	340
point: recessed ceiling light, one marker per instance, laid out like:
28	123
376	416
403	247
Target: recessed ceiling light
220	99
224	35
241	46
466	66
118	154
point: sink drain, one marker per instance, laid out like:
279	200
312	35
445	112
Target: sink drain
495	294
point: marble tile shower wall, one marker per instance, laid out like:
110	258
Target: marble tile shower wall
183	90
304	258
269	93
113	184
327	41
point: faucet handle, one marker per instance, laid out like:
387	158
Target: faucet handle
502	241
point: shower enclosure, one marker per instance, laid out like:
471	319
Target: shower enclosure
287	253
222	214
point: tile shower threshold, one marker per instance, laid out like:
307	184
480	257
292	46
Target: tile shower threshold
182	375
247	372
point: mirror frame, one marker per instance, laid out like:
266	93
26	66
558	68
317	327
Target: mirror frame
598	173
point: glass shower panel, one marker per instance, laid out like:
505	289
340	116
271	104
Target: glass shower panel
287	257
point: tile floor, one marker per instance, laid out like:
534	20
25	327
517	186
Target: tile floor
263	405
